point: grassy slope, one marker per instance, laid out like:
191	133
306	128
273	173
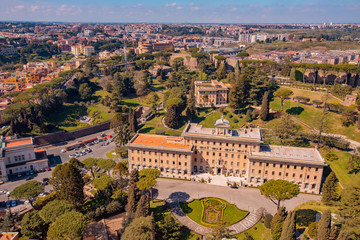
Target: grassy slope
231	213
311	94
312	115
258	232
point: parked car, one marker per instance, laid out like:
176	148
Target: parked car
48	169
8	204
13	203
2	204
29	178
63	150
46	179
27	202
19	175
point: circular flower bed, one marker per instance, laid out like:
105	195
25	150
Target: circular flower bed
212	212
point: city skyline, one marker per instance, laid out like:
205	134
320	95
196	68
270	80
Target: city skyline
162	11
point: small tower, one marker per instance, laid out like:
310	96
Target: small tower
222	126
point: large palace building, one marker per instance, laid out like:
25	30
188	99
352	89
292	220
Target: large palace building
211	93
230	152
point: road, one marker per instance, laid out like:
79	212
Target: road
248	199
98	152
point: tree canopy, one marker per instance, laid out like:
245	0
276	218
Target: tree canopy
55	209
28	191
142	228
279	190
70	225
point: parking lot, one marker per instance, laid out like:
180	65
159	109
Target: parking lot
56	156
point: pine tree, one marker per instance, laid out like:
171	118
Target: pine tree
329	189
131	201
239	93
289	227
324	227
264	112
142	209
172	118
279	217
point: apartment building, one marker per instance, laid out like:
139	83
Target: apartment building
211	93
230	152
19	155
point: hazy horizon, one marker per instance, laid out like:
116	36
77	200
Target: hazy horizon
186	11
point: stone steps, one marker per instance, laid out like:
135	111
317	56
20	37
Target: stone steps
248	222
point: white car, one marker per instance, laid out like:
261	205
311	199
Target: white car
63	150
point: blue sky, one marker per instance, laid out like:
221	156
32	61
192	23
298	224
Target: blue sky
185	11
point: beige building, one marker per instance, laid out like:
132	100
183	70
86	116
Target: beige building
230	152
18	155
211	93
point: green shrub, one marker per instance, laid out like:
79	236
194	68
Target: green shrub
305	216
312	229
236	120
160	132
114	207
267	220
331	157
42	201
230	115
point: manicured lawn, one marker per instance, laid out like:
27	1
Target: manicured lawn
210	120
317	206
68	118
111	154
339	167
194	210
160	210
155	124
312	115
310	94
258	232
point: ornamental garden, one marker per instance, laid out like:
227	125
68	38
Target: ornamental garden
213	212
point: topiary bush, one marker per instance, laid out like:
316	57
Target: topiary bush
267	220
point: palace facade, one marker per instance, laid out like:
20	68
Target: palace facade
211	93
230	152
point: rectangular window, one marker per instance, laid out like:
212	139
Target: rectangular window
293	174
272	173
279	173
267	164
259	171
294	167
308	176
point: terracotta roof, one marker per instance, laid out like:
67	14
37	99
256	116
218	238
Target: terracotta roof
158	140
18	143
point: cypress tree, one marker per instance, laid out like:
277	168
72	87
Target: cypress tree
248	116
329	189
134	176
289	227
279	217
264	112
277	231
142	209
132	120
334	233
131	201
324	227
237	71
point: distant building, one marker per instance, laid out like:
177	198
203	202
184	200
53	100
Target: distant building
19	155
88	33
9	236
211	93
88	50
351	99
153	71
229	152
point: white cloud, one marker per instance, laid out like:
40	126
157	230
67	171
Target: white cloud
68	10
179	7
195	8
191	4
34	8
233	9
139	5
18	8
170	4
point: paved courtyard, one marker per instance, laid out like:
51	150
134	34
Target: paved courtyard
248	199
